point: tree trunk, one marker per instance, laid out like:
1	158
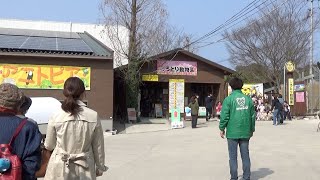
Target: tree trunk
132	80
133	31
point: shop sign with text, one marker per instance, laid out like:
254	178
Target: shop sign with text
147	77
188	68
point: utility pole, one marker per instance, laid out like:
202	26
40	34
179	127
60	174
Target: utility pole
187	44
311	58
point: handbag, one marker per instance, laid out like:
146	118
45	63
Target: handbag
45	156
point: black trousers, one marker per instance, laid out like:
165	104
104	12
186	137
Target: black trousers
208	113
280	112
286	115
194	120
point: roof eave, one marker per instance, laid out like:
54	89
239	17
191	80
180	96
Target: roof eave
227	70
99	42
55	56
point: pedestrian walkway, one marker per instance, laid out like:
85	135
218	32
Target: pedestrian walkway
153	125
289	151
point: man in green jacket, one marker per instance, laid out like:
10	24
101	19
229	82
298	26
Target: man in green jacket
238	117
194	105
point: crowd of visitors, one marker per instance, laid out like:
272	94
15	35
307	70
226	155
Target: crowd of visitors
277	111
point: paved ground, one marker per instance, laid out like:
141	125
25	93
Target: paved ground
287	152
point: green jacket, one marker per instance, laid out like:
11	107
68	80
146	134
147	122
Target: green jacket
238	116
194	108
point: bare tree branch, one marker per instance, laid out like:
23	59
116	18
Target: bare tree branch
137	30
266	44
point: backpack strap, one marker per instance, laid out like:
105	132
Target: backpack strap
17	131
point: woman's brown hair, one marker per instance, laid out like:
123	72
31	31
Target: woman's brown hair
73	89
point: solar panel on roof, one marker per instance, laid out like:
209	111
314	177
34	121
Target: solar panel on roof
38	33
42	40
74	45
17	32
49	44
72	35
31	43
12	42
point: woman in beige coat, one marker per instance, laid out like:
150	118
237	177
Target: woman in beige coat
75	136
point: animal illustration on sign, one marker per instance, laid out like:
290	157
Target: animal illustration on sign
29	77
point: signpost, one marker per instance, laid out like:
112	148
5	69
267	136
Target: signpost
176	101
176	94
290	67
132	114
158	110
291	91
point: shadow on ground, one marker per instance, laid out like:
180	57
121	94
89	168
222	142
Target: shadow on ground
120	127
202	125
261	173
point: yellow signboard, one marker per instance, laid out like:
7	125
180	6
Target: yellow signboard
42	76
150	78
291	91
176	95
176	80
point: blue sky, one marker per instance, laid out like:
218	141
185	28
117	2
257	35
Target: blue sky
200	18
191	16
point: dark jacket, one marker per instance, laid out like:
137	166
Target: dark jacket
281	100
208	101
238	116
26	145
277	104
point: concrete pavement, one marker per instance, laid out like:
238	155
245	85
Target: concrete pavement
289	151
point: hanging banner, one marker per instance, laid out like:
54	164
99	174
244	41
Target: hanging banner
42	76
299	96
291	91
250	89
176	94
188	68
